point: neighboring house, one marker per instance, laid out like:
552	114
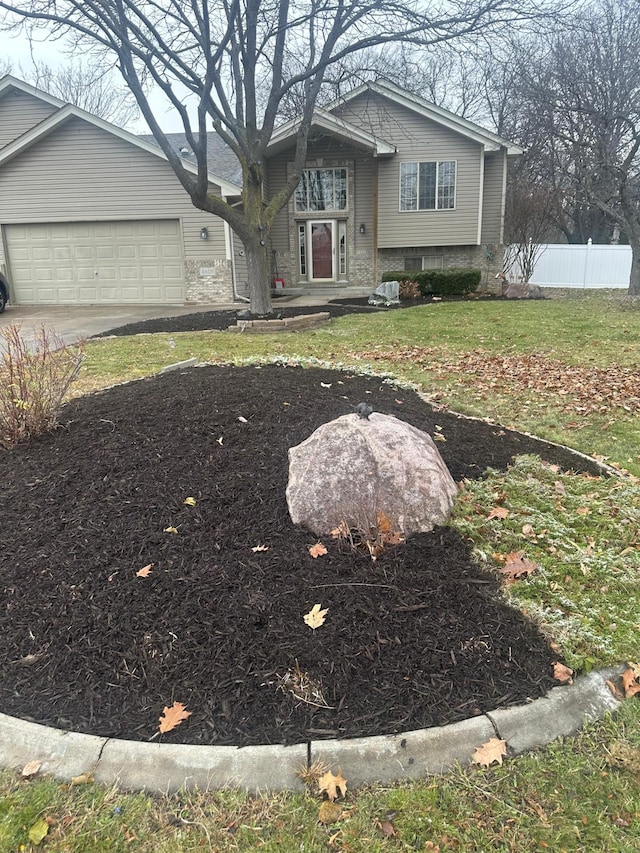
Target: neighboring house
90	213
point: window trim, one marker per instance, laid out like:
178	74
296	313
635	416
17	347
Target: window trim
335	210
435	209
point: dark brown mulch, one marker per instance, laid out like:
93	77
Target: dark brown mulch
417	638
220	320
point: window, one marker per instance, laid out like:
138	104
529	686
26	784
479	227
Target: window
423	262
428	186
342	249
302	242
322	189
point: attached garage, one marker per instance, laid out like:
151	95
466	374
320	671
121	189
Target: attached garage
96	262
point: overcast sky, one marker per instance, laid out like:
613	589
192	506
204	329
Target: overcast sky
17	50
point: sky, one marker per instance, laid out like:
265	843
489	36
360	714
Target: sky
17	50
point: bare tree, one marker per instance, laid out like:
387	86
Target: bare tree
527	226
89	85
231	63
584	94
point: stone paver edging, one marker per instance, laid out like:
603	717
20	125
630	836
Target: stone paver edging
165	767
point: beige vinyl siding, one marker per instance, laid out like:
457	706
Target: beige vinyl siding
20	112
494	165
419	139
82	173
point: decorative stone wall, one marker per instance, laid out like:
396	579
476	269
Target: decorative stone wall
208	281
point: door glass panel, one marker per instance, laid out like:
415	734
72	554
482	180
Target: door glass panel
322	249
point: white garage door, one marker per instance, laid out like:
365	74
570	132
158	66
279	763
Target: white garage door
111	263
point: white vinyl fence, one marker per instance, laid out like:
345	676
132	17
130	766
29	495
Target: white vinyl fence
582	266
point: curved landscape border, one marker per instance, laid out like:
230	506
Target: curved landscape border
166	768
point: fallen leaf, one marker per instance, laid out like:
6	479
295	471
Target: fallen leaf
527	529
492	751
330	783
82	779
615	690
31	768
189	501
329	812
583	510
170	530
393	538
384	523
257	548
622	754
387	828
498	512
243	420
562	673
341	531
220	440
145	571
559	487
326	384
629	683
315	617
439	437
317	550
38	831
172	717
517	566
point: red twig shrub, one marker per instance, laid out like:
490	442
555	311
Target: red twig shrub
34	378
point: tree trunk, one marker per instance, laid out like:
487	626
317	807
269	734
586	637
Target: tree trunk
256	239
258	273
634	275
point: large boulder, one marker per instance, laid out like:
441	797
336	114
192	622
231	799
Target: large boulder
353	468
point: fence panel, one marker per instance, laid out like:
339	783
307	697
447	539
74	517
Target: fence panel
582	266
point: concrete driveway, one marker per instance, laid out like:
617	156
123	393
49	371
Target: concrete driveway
75	323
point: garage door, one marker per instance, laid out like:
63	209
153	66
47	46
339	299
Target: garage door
109	263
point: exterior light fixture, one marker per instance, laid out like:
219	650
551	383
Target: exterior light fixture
362	228
204	233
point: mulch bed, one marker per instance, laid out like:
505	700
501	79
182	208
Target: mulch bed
417	638
220	320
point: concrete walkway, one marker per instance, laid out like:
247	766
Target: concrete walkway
75	323
165	767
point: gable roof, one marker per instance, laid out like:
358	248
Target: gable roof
10	83
220	157
65	112
325	121
490	141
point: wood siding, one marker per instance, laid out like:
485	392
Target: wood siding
492	199
19	112
80	173
419	139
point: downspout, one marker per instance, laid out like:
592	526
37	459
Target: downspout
230	236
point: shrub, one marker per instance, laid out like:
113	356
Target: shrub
409	289
452	282
34	379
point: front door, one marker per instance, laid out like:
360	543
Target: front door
322	240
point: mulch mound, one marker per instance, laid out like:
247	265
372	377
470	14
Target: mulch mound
419	637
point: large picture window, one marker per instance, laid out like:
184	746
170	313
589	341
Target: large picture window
322	189
428	186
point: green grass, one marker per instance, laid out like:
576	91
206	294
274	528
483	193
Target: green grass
591	332
578	794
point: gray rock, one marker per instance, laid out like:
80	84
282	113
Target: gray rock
386	293
353	468
523	291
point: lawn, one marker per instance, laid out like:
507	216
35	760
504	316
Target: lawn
564	370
